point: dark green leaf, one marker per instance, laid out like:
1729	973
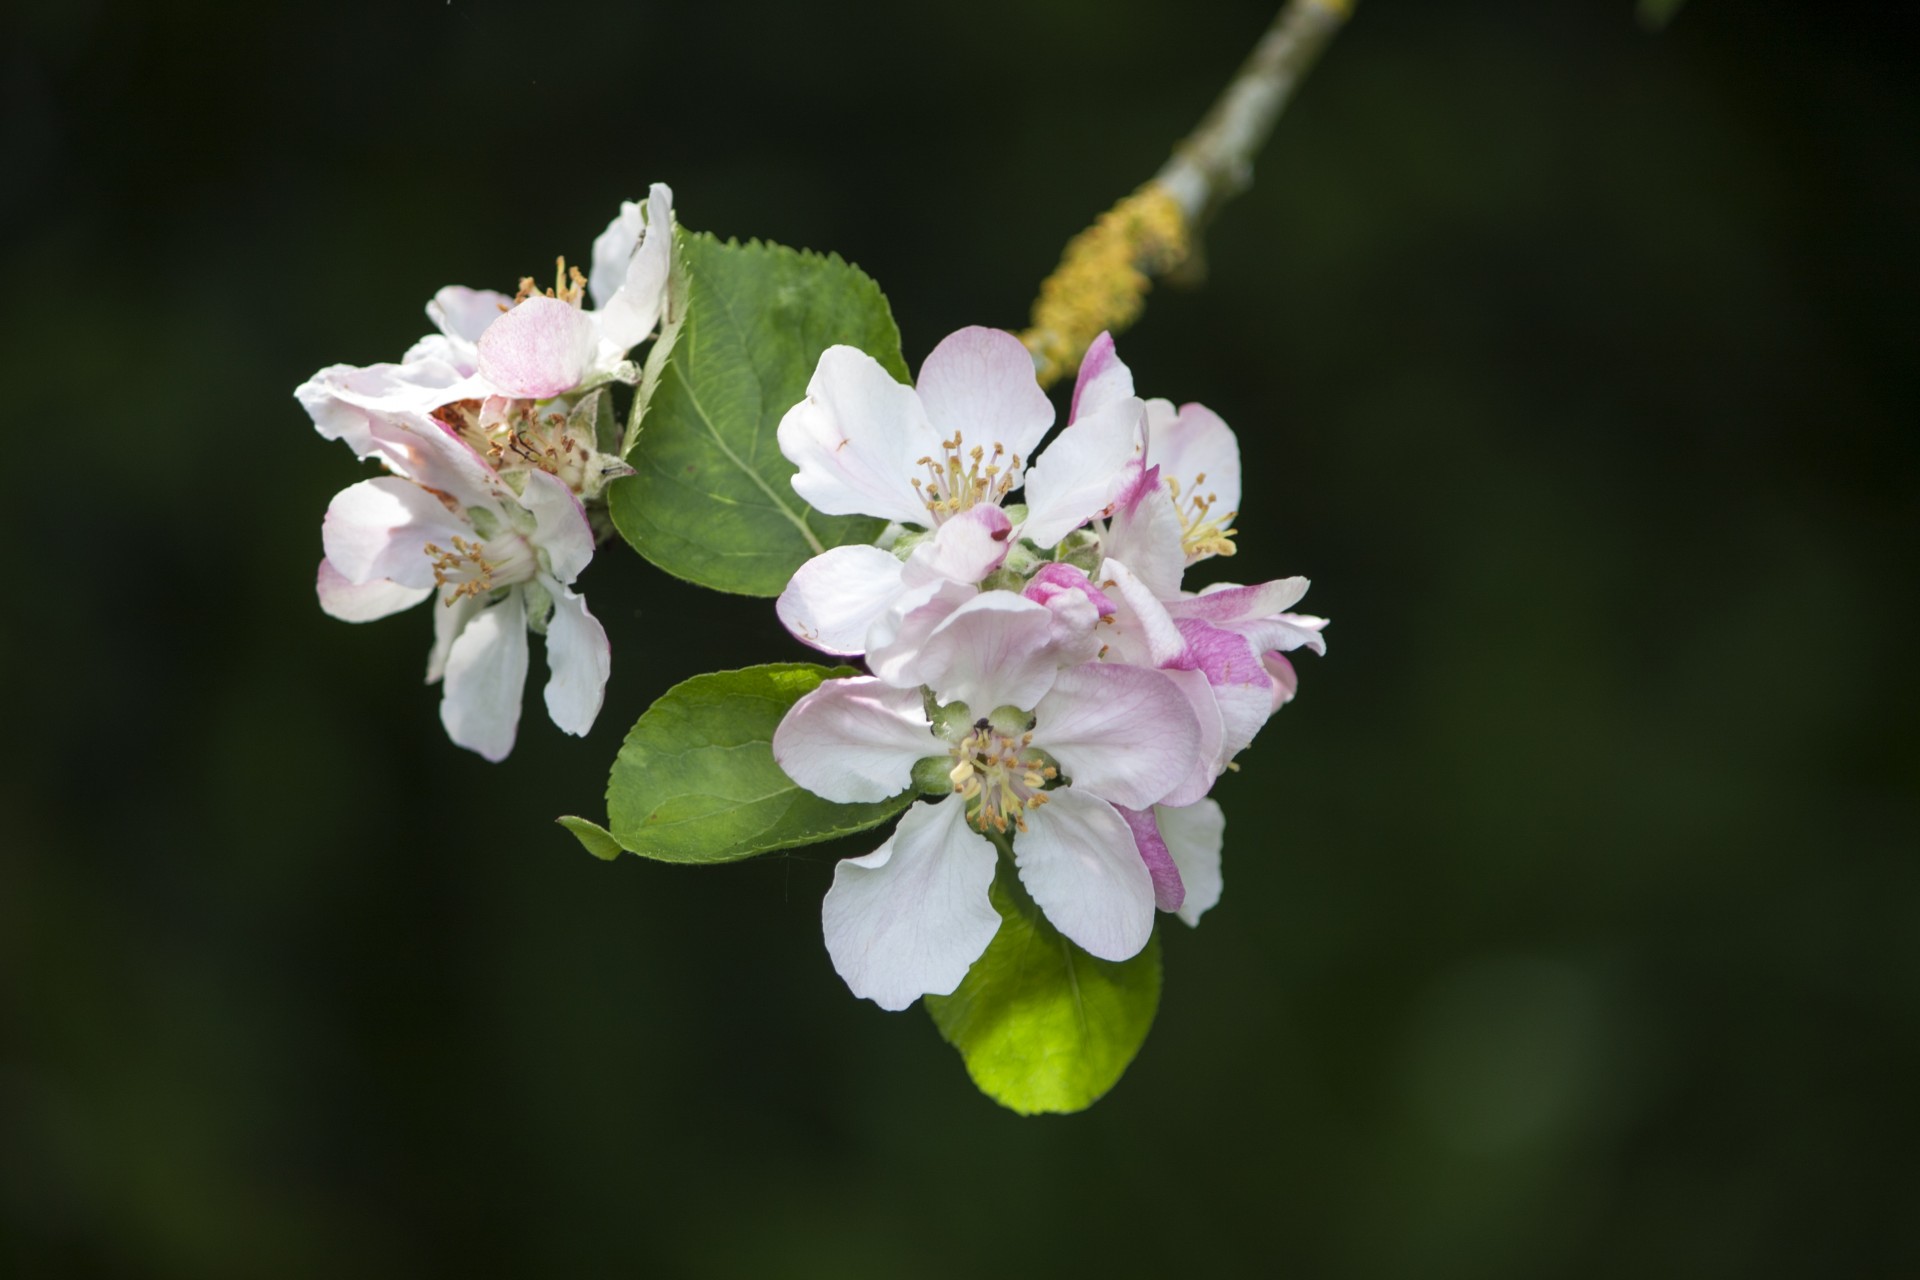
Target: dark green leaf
710	499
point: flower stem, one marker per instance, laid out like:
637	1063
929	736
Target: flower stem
1106	270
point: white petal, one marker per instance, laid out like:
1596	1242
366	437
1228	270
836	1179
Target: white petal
486	675
1122	733
991	652
543	347
979	384
560	524
1145	635
1195	444
379	528
1145	536
465	313
612	249
1103	379
1286	681
897	636
855	740
1078	859
1192	834
631	311
1287	631
363	601
1083	472
965	548
345	401
1211	757
449	620
910	918
1225	603
857	440
578	657
833	599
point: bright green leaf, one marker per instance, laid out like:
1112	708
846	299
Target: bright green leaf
593	837
1042	1025
696	779
710	499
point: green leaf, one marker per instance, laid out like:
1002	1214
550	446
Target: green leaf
696	779
710	499
1042	1025
593	837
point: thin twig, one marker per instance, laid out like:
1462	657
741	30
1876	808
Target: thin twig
1106	270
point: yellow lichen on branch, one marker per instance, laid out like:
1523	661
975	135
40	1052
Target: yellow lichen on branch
1103	278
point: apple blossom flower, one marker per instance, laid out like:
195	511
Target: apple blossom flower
1036	755
498	563
1181	848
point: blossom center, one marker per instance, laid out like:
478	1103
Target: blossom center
962	478
568	285
1202	533
1000	777
476	569
519	438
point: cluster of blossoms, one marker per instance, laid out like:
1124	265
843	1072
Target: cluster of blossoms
489	430
1037	665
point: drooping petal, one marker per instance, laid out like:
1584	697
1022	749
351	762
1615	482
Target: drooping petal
979	385
560	524
1168	892
857	440
449	620
855	740
1198	452
380	528
1078	859
965	548
629	312
1211	757
579	659
486	676
1193	836
363	601
1084	471
543	347
464	313
833	599
1122	733
990	652
1103	379
910	918
346	401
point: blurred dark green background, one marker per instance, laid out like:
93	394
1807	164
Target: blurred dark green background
1571	911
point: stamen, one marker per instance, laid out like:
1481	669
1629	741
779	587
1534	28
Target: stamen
1201	533
962	478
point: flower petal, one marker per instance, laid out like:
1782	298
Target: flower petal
629	313
1225	603
1125	734
1078	859
449	620
1286	681
543	347
965	548
1287	631
1103	379
1144	634
363	601
855	740
834	598
345	401
979	385
579	658
910	918
1198	444
1168	892
486	675
464	313
857	440
1145	536
613	249
990	652
1084	471
379	528
897	636
1192	835
560	524
1211	756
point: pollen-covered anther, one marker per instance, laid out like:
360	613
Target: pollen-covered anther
569	285
962	478
1000	778
1201	532
463	571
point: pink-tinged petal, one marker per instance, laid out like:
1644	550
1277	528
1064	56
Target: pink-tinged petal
1286	681
979	384
630	312
1224	603
543	347
966	548
1168	892
855	740
1078	859
1083	472
1122	733
1103	379
560	525
990	652
910	918
1144	634
449	620
345	401
464	313
1198	444
857	440
834	599
1210	757
363	601
1193	836
380	528
486	676
897	636
1287	631
579	658
1244	711
1144	535
1225	656
1054	579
